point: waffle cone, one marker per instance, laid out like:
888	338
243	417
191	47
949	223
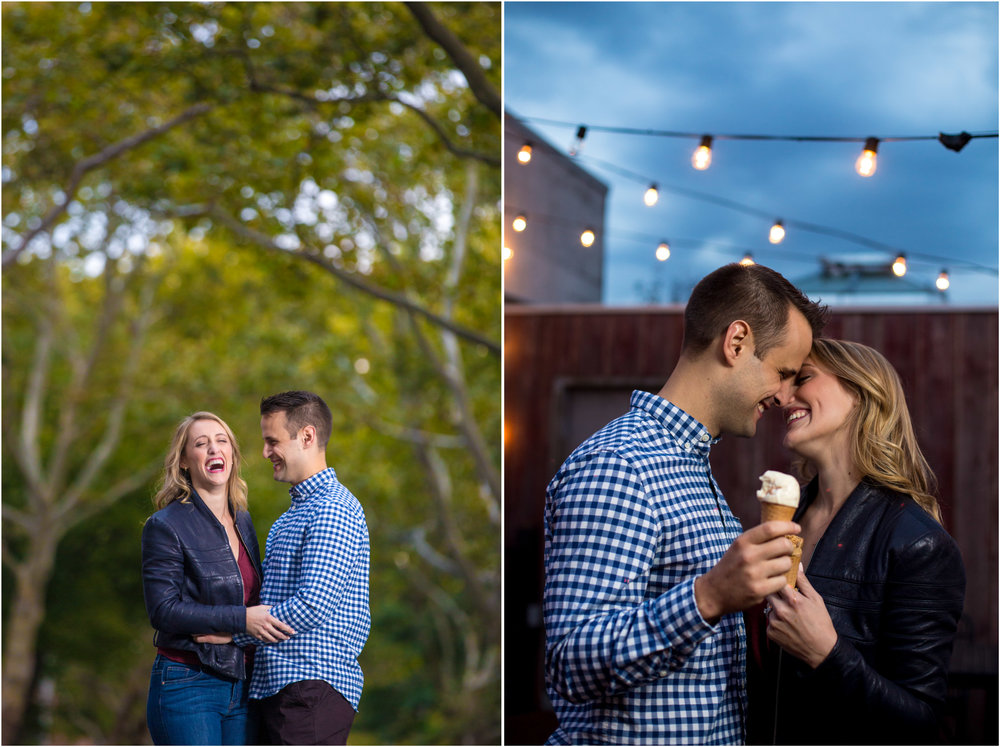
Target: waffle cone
793	572
775	512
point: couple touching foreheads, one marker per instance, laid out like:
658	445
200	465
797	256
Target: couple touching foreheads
252	653
656	630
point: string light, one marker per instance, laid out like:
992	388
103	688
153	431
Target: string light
524	155
777	234
651	196
899	266
520	223
581	133
702	157
867	162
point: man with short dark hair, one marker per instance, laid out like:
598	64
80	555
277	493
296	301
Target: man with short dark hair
316	577
646	569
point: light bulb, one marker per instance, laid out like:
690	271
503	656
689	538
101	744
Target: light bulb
702	157
777	234
520	223
663	251
587	237
747	260
524	155
507	253
899	266
942	282
867	162
651	196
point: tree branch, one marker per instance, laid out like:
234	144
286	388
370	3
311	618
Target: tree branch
451	372
82	168
8	557
377	97
112	431
415	435
83	372
441	490
107	497
480	86
371	289
17	517
28	450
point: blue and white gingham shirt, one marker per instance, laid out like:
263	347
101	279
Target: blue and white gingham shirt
316	576
631	519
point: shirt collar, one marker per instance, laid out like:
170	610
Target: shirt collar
689	434
303	491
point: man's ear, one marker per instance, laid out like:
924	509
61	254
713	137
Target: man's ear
308	436
737	342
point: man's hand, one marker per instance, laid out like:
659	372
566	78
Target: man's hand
264	627
753	567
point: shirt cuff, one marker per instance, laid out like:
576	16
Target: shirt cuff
243	640
681	623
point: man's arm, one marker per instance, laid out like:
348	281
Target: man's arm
333	546
603	635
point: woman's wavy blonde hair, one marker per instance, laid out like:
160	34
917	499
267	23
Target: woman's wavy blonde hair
176	484
883	444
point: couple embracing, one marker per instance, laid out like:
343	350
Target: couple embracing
251	653
654	602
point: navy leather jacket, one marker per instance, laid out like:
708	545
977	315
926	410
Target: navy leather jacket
192	583
893	582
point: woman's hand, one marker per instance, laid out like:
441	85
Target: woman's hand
800	624
264	627
213	638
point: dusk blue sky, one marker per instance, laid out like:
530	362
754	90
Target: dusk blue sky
772	68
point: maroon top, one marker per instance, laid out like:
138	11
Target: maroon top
251	597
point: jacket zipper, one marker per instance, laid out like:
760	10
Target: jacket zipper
239	575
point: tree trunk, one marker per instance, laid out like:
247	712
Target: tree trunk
21	630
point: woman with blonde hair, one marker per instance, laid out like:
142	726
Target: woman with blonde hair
859	653
201	577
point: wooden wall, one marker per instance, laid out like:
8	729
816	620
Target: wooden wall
565	364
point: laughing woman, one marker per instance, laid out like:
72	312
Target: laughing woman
859	654
201	575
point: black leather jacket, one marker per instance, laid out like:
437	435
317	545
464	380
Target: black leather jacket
192	583
894	584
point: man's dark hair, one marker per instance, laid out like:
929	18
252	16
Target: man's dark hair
754	293
301	409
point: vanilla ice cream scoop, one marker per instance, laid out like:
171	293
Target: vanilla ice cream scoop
777	487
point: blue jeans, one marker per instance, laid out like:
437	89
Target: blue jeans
189	706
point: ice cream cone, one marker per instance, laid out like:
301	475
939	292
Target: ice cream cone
776	512
793	572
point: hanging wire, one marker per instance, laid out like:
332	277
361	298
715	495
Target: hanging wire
953	142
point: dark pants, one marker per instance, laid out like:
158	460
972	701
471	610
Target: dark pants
306	712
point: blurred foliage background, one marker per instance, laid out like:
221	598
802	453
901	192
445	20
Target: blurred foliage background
207	203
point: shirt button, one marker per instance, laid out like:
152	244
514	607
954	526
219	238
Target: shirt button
687	446
705	438
664	673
